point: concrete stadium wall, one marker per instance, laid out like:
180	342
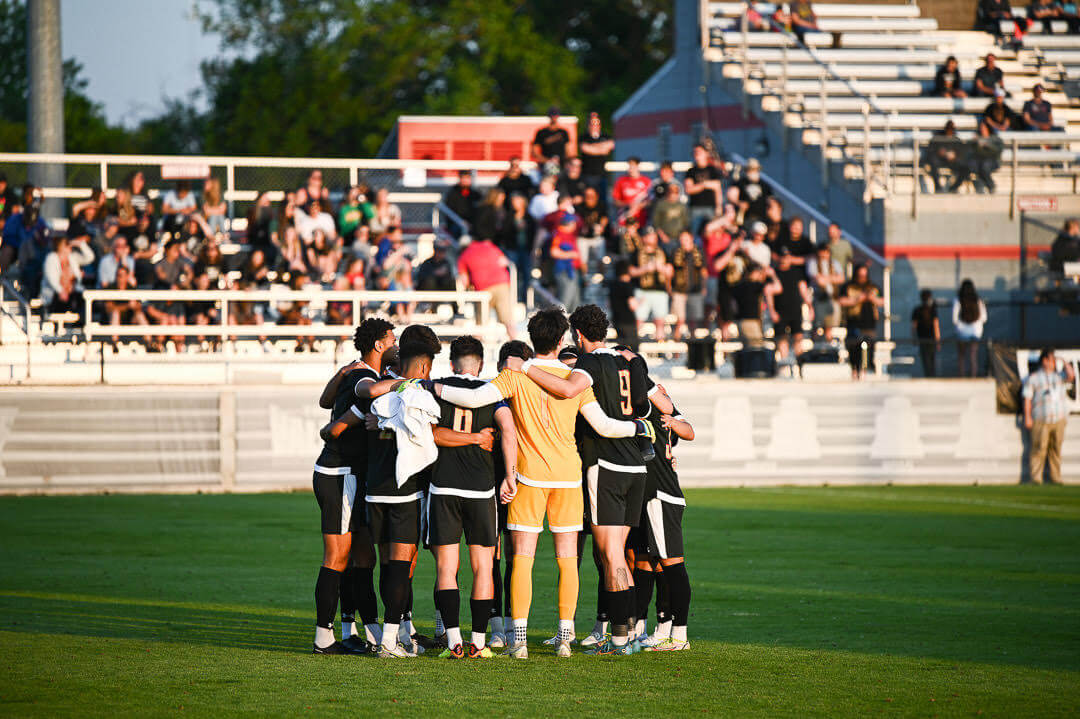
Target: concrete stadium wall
749	433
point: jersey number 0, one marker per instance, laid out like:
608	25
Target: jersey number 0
462	420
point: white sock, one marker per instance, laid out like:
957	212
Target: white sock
324	637
618	641
521	630
440	628
373	633
389	635
496	626
566	630
663	631
641	629
678	634
347	630
479	639
453	637
406	624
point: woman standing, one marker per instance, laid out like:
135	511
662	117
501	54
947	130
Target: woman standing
969	317
926	328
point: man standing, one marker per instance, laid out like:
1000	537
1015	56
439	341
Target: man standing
653	273
463	201
484	268
631	193
1045	412
551	144
702	184
516	182
688	285
595	149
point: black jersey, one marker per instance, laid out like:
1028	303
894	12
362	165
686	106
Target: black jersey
382	468
470	469
620	387
661	480
350	449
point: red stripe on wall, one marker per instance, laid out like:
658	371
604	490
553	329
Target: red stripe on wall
967	252
647	124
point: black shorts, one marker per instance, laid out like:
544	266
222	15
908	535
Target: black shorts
394	522
502	511
615	494
448	516
664	528
335	491
638	539
788	327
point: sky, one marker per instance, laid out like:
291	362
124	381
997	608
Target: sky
134	53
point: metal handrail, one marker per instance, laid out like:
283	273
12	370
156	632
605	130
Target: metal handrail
441	207
7	288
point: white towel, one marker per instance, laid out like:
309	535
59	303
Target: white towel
410	412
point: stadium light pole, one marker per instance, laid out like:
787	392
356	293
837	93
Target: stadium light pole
45	109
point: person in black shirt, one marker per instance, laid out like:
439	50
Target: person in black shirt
687	285
754	193
623	305
947	151
998	116
797	245
757	283
551	143
702	185
516	182
788	303
462	200
926	329
861	302
1065	248
348	554
462	500
595	149
437	271
987	78
571	183
947	80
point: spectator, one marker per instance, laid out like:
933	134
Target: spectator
992	12
592	240
984	156
385	213
436	273
566	262
797	244
571	183
1045	11
662	185
861	302
82	228
545	201
119	256
758	282
825	276
8	201
596	147
211	262
1066	247
1045	412
313	190
145	248
463	201
123	312
518	236
630	242
789	302
624	306
753	192
722	241
757	251
192	233
702	183
1037	112
201	312
214	207
314	219
688	281
1071	15
178	205
124	212
803	19
670	215
631	193
351	217
926	328
490	216
394	269
255	273
947	80
987	78
516	182
551	145
998	116
483	267
946	151
969	318
136	186
774	218
61	288
22	227
840	249
653	274
296	312
339	312
356	275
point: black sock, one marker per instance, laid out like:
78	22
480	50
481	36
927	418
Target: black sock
407	613
679	589
496	603
619	604
643	586
348	595
603	602
481	611
395	590
327	589
367	605
448	602
506	585
663	598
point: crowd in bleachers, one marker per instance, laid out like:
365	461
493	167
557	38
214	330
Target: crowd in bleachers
1051	15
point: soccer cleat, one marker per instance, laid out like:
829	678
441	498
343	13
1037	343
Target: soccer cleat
647	641
669	645
498	641
518	650
609	648
398	652
595	637
482	653
357	645
335	648
439	642
562	649
412	648
425	642
452	653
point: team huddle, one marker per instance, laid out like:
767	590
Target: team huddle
580	435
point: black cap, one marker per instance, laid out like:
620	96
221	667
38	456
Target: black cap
553	111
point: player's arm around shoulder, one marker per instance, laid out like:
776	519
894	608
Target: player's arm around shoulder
572	385
446	437
679	425
474	398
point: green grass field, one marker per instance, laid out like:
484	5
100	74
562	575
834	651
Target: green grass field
890	601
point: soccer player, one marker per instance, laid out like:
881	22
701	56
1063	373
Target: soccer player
662	519
547	480
348	554
462	499
614	467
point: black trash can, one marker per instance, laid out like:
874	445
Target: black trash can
701	354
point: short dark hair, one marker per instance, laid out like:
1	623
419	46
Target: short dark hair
514	348
590	321
1046	352
466	346
622	267
634	159
369	332
417	341
546	329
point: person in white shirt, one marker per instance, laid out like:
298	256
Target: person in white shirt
757	249
61	286
120	255
969	317
313	218
1045	411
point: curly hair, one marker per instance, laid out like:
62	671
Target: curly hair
591	322
369	332
546	329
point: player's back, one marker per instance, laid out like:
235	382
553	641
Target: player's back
617	387
547	451
469	468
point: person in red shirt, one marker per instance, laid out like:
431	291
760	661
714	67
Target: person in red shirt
631	193
721	242
483	267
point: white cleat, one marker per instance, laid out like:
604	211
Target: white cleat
518	650
498	641
595	638
669	645
398	652
562	649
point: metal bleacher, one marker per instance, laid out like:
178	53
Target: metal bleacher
857	92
